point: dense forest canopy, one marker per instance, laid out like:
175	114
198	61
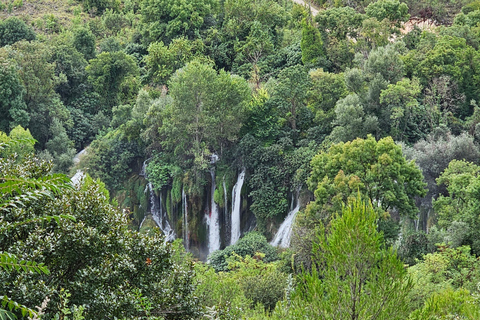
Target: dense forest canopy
207	159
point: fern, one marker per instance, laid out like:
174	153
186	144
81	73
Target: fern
9	305
10	262
52	183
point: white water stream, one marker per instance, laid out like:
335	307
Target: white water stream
236	207
284	234
212	219
186	233
159	216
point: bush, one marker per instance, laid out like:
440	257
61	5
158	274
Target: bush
13	30
250	244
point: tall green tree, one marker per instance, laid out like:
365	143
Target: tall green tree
354	276
206	113
108	72
12	105
461	203
376	170
165	20
312	45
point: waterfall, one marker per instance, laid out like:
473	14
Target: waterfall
160	216
225	209
186	234
236	206
284	233
77	178
212	220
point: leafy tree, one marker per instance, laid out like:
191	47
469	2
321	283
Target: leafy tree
325	90
339	23
20	192
206	113
354	276
406	114
84	42
449	56
291	92
13	30
261	282
376	170
37	73
92	255
108	72
60	147
71	64
311	44
449	304
351	120
19	142
165	20
446	270
461	202
433	154
112	157
392	10
162	61
12	105
257	45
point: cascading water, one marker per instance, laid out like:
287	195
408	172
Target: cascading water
284	234
159	216
236	206
227	221
212	220
77	178
186	234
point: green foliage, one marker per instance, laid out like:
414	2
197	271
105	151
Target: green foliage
37	74
92	255
111	158
205	116
261	282
311	44
12	106
450	56
160	172
376	170
250	244
351	121
392	10
108	72
13	30
449	304
354	276
162	61
99	6
290	93
60	147
447	269
401	102
165	20
84	42
19	142
460	204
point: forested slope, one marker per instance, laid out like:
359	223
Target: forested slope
214	122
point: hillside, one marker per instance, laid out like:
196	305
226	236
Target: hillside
240	159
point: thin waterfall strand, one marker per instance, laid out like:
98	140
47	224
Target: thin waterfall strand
236	206
186	235
284	234
212	220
